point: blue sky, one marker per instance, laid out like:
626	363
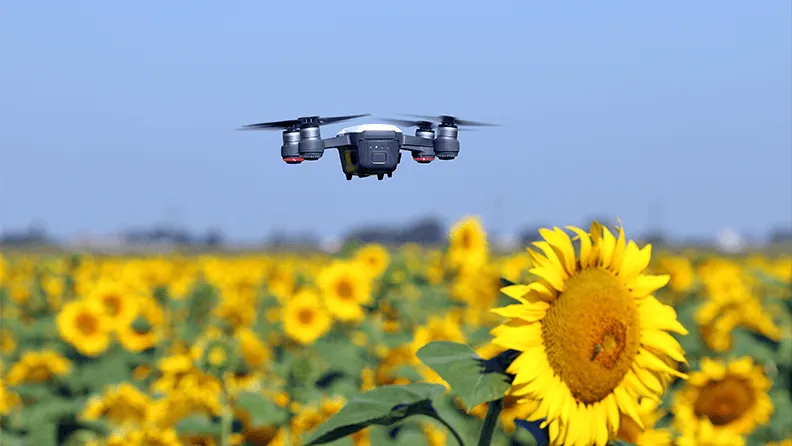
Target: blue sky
118	114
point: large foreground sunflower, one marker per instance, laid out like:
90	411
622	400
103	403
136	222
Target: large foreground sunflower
593	340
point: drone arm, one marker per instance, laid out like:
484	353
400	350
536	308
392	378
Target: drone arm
416	143
337	141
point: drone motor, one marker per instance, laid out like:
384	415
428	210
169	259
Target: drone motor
311	146
446	144
290	150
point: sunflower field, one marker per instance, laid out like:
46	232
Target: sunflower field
586	337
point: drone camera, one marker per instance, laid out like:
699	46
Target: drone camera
446	144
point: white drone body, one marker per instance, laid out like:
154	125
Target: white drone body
369	128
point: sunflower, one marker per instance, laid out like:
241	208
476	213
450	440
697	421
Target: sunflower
592	339
681	272
7	342
145	330
84	324
345	289
375	258
119	303
37	367
254	352
8	399
730	396
468	245
123	404
305	319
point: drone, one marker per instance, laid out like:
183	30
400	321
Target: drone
369	149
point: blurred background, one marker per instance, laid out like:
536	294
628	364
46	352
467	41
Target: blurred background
116	120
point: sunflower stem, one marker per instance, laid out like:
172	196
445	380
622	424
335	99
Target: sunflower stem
227	419
226	426
456	435
490	421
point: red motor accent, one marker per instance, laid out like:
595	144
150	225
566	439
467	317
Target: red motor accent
293	159
423	159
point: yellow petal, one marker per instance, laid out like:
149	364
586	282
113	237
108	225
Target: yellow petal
658	316
601	424
530	312
556	395
554	276
662	341
606	247
552	255
645	285
612	408
585	245
618	251
627	405
521	338
526	368
538	259
558	239
635	387
648	360
516	292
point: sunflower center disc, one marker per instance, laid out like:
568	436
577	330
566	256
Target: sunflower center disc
345	290
724	401
113	304
591	334
87	324
306	316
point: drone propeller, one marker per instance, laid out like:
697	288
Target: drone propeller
453	121
307	121
428	125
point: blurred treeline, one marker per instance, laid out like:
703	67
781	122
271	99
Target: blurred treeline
424	231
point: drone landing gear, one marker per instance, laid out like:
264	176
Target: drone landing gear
349	177
380	176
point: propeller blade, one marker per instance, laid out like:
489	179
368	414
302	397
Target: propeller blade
333	119
452	120
291	124
409	123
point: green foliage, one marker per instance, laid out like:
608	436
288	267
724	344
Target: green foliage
473	379
263	412
198	425
383	406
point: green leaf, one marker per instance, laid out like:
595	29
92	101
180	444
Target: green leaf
81	437
473	379
341	355
382	406
263	411
93	375
33	391
198	425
